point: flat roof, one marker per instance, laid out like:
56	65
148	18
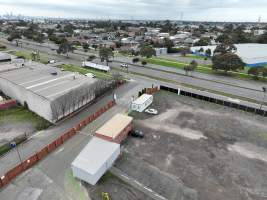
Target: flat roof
114	126
39	79
142	99
5	56
95	154
251	53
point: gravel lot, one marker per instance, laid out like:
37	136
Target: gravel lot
212	152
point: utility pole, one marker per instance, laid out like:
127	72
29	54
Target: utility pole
14	145
264	90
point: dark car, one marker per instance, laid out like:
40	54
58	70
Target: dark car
137	133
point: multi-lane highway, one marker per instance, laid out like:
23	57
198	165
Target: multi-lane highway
242	88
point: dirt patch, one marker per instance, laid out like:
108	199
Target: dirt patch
117	189
226	162
9	131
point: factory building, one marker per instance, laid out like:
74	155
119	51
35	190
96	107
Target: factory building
252	54
45	90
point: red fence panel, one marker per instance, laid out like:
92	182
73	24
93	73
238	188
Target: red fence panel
65	137
58	142
43	153
51	147
30	162
14	172
4	180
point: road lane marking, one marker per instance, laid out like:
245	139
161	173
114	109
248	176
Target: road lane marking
58	151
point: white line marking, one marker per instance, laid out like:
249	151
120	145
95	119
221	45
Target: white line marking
58	151
52	80
125	177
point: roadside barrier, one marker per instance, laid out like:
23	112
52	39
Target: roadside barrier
221	100
32	160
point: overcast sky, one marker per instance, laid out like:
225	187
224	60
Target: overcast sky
200	10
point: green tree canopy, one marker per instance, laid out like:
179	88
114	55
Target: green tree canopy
227	62
105	54
65	47
147	51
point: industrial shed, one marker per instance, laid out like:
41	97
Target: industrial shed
142	102
94	160
116	129
253	54
47	91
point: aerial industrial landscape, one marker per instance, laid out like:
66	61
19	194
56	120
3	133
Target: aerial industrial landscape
133	106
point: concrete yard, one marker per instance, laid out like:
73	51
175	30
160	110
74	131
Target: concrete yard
198	150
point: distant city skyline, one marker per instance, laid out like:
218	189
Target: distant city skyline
195	10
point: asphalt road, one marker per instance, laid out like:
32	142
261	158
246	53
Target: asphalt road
247	89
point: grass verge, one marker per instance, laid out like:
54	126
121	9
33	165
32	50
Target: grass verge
75	68
21	114
6	147
197	88
206	69
27	55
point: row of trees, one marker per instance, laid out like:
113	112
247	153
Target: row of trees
78	97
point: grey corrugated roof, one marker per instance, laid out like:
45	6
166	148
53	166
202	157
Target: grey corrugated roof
37	78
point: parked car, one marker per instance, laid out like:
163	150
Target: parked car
151	111
137	134
124	65
52	61
90	75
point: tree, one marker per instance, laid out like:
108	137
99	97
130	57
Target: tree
222	38
14	36
208	52
143	62
65	47
168	44
105	54
264	72
204	41
262	38
201	49
225	47
227	62
85	47
91	58
147	51
191	67
135	60
254	71
35	56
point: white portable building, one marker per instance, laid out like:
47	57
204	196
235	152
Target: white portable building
96	66
142	102
94	160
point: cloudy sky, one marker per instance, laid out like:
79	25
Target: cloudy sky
200	10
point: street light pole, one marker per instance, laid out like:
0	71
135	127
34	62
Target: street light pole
264	89
14	145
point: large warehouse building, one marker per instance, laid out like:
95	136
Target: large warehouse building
47	91
251	54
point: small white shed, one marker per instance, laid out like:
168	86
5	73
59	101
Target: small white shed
142	102
94	160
